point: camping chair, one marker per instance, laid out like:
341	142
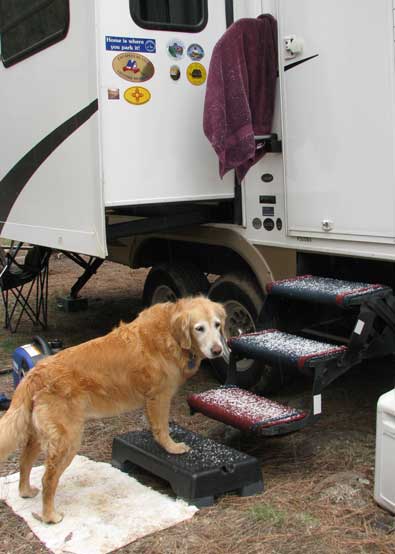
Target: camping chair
24	284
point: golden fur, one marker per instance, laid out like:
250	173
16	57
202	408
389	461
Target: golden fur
142	363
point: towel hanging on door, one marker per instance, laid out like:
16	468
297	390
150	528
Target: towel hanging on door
240	94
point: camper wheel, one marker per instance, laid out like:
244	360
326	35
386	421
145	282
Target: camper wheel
243	301
166	282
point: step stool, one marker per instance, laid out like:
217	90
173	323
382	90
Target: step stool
249	412
208	470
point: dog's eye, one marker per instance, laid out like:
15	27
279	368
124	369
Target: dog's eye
200	328
217	324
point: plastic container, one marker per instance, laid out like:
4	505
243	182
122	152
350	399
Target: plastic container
384	482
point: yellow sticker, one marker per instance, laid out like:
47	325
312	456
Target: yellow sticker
196	73
133	67
137	95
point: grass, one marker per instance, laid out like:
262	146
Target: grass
268	514
308	520
9	344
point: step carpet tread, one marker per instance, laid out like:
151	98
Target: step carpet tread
243	409
274	346
326	290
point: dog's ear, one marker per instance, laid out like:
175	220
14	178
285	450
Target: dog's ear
221	314
180	329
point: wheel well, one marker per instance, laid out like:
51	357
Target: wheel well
212	258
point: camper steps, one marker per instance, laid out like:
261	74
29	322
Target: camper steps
281	350
247	411
325	290
277	347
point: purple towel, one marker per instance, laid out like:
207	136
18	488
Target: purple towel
240	92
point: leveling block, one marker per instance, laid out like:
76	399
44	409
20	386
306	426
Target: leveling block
209	469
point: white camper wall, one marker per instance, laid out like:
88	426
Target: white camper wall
61	205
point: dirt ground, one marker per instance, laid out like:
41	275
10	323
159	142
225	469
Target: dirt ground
318	495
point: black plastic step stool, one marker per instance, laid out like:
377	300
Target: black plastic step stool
209	469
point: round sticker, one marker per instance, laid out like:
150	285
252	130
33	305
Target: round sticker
150	46
195	52
176	49
133	67
137	95
175	72
196	73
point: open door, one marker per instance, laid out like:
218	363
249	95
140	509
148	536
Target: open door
338	107
154	59
50	183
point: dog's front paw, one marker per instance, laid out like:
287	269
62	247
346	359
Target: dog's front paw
178	448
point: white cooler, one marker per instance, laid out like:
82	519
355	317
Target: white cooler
384	485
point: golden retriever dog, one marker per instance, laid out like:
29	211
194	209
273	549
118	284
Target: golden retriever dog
140	364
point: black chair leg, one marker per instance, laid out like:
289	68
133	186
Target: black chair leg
36	310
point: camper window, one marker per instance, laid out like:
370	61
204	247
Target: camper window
27	27
170	15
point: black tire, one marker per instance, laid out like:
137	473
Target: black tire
243	301
167	282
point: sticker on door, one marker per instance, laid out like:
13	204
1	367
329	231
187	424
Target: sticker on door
133	67
137	95
196	73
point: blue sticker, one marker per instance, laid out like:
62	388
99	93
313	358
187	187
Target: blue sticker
126	44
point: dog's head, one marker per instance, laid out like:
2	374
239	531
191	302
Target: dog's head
198	325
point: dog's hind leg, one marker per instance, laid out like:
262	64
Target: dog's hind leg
60	429
158	410
55	465
29	454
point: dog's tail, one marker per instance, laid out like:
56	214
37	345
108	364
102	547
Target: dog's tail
15	423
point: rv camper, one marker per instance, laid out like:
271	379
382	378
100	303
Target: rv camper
103	153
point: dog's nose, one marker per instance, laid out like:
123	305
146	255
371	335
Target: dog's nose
216	350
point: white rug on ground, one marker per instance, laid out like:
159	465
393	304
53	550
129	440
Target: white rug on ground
104	509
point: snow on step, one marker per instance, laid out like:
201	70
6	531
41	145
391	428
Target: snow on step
326	290
243	409
275	346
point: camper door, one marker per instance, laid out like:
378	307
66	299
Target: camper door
154	58
338	108
50	181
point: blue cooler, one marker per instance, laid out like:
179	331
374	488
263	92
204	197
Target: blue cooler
25	357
